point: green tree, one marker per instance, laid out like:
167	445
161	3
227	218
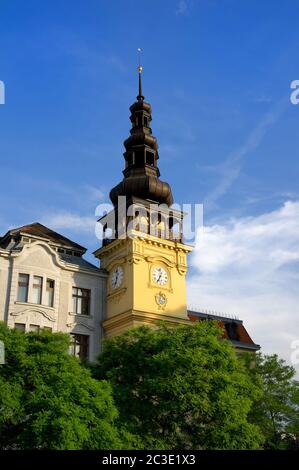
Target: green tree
181	388
292	428
48	400
276	411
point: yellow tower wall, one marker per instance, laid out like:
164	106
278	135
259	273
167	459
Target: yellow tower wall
135	301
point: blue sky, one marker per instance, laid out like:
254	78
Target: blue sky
218	74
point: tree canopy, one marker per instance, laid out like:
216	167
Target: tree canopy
276	411
48	400
181	388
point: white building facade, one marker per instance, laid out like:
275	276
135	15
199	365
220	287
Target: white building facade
46	283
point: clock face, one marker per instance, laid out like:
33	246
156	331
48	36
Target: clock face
117	277
160	276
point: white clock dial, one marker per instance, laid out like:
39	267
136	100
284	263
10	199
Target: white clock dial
160	276
117	277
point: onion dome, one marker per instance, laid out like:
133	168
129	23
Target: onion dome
141	173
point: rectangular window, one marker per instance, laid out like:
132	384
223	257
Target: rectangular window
80	346
130	159
150	158
37	290
34	328
23	287
50	292
20	326
81	300
139	158
47	328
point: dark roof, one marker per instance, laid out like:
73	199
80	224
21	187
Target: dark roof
212	316
233	329
78	261
39	230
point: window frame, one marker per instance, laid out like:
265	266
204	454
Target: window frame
48	291
76	298
22	284
34	328
80	345
40	287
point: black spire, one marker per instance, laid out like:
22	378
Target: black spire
141	173
140	96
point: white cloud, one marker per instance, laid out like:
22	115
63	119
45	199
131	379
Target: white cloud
182	8
250	267
229	171
94	194
263	99
69	221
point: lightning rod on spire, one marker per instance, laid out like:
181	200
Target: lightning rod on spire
139	50
140	97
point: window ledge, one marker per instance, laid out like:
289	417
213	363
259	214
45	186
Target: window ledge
31	304
80	315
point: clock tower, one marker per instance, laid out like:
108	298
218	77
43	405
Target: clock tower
143	250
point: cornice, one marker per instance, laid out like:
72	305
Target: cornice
144	317
144	238
64	265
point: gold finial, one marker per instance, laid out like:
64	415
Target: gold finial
139	68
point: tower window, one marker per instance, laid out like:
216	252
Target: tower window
139	158
130	159
150	158
145	119
176	231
